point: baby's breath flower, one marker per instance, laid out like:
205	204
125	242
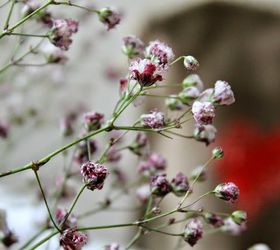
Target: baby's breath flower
227	191
71	239
109	17
133	46
203	112
223	95
160	186
191	63
154	119
193	231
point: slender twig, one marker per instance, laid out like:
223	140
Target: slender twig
45	199
24	34
6	25
4	4
34	237
134	239
162	232
41	242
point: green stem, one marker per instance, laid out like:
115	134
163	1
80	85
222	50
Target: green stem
162	232
6	25
34	237
45	200
198	199
108	226
47	158
177	60
6	32
69	3
134	239
23	34
44	240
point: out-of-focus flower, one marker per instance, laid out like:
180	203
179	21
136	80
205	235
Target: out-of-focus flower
203	112
160	186
188	94
133	46
4	129
71	221
145	72
206	95
112	246
94	175
160	53
123	85
180	184
71	239
191	63
213	219
154	164
113	155
223	95
140	143
205	133
109	17
199	170
61	32
227	191
173	103
232	228
193	231
259	246
154	119
143	193
93	120
193	80
7	237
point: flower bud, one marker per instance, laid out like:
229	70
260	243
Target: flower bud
232	228
72	239
227	191
193	231
93	120
205	133
223	94
160	185
203	112
154	119
173	103
132	46
191	63
193	80
239	217
109	17
213	219
94	175
259	246
188	94
217	153
180	184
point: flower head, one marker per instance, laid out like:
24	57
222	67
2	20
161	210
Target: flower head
223	95
71	239
173	103
227	191
180	184
93	120
61	32
232	228
205	133
217	153
213	219
145	71
203	112
239	217
94	175
188	94
154	119
193	80
109	17
160	53
160	186
133	46
152	165
191	63
193	231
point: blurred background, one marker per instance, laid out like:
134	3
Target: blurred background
236	41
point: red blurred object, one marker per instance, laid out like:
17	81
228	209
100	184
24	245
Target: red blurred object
251	161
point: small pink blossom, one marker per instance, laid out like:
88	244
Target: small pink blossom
191	63
223	95
71	239
205	133
143	193
93	120
232	228
193	80
61	32
94	175
180	184
154	119
133	46
227	191
193	231
160	186
203	112
109	17
71	221
145	71
160	52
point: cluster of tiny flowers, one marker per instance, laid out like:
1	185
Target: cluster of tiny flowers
61	32
193	231
227	191
205	133
154	164
160	186
109	17
203	112
160	53
94	175
71	239
154	119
